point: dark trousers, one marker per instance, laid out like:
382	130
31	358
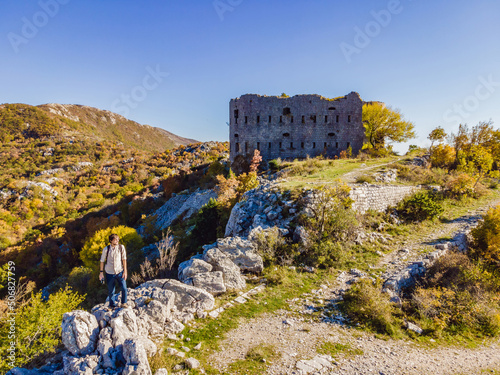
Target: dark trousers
111	281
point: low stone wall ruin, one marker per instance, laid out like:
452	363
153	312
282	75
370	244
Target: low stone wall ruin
379	197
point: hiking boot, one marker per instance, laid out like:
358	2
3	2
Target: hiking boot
124	305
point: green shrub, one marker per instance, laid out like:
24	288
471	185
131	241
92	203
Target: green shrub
4	276
493	183
343	224
208	224
364	178
95	200
332	214
365	304
79	278
215	169
271	246
460	186
420	206
326	254
457	296
275	164
4	242
486	236
38	326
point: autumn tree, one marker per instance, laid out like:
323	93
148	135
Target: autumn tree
482	135
384	124
476	161
256	160
495	148
437	135
486	235
442	156
231	189
328	202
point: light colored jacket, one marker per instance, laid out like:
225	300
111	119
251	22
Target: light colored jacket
116	255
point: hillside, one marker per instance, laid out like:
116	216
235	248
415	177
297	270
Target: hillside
62	167
285	257
113	127
54	193
77	122
312	300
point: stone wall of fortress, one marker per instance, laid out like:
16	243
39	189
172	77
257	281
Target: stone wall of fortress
295	127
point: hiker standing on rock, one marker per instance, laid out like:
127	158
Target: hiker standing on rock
114	267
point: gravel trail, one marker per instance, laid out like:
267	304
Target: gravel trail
296	335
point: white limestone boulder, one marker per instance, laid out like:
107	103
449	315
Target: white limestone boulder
192	267
136	358
242	252
158	312
124	326
106	350
187	297
221	262
79	332
80	365
212	282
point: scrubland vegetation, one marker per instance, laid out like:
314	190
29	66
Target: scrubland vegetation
50	236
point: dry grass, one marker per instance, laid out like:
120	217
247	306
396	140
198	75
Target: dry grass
164	264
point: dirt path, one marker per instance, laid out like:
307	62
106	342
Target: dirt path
350	177
297	340
297	336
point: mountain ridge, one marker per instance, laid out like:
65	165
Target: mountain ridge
78	121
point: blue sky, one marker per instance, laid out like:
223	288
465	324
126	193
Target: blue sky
176	64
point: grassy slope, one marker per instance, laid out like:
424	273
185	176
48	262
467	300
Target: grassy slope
106	125
286	284
299	174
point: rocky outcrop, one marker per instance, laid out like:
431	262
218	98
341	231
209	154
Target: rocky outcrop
80	365
184	205
264	206
187	298
242	252
42	185
212	282
79	332
421	161
301	236
409	274
230	271
120	341
136	357
50	171
192	267
386	176
219	268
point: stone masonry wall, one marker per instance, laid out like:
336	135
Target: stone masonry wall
295	127
379	197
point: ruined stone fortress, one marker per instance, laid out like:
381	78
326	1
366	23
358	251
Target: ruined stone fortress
295	127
